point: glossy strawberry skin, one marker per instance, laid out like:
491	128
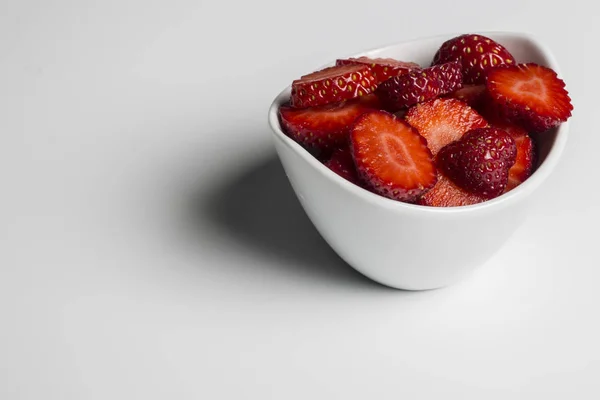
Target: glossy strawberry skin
419	86
332	85
382	68
477	55
479	162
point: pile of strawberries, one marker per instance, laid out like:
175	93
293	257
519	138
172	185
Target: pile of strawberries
453	134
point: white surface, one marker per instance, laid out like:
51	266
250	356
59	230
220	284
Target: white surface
152	249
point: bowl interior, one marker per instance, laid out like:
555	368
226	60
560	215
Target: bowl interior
524	47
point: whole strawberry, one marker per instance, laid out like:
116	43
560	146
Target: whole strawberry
476	53
479	162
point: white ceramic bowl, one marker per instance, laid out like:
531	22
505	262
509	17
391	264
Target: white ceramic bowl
410	246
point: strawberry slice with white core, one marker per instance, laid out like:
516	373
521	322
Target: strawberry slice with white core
392	157
530	95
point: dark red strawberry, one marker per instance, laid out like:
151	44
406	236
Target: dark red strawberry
530	95
331	85
419	86
479	162
447	194
470	94
382	68
450	76
323	127
524	163
342	163
477	54
442	121
392	157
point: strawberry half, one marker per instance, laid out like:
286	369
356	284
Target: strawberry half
331	85
479	162
323	127
419	86
530	95
391	156
523	166
382	68
447	194
477	54
342	163
443	121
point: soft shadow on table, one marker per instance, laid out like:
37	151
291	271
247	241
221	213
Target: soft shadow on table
259	209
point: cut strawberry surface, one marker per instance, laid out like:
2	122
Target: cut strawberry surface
479	162
477	53
392	157
331	85
447	194
342	163
382	68
323	127
530	95
419	86
442	121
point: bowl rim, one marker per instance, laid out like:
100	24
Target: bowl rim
506	199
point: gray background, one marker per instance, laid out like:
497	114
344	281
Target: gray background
151	247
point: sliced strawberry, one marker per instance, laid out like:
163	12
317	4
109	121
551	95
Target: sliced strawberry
523	166
322	127
470	94
447	194
331	85
392	157
479	162
442	121
382	68
477	54
530	95
370	100
342	163
419	86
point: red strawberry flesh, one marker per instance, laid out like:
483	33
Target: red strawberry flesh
392	157
331	85
530	95
323	127
443	121
342	163
446	193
